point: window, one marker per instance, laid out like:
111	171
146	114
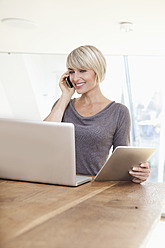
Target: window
146	79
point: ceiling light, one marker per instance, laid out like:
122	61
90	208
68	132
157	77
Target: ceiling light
19	22
126	26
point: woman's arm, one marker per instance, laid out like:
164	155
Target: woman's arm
140	173
123	128
58	111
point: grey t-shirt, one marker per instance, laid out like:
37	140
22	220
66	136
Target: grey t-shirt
96	134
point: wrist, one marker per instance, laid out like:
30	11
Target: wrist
66	97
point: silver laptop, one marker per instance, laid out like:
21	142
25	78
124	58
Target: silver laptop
39	151
121	161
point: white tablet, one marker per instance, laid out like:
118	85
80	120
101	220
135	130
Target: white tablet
121	161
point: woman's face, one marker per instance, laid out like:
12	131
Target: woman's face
83	80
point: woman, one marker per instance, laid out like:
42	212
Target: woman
99	122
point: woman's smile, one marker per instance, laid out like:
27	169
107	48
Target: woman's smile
79	85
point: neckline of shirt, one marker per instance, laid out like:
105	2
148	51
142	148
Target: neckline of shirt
88	117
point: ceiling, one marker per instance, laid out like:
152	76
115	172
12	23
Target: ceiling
64	25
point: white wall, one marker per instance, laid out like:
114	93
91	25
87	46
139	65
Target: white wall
5	108
17	90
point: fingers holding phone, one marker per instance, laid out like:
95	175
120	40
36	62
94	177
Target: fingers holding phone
66	85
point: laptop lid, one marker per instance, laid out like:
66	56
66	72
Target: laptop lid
121	161
38	151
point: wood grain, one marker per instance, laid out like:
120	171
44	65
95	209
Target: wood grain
96	214
25	205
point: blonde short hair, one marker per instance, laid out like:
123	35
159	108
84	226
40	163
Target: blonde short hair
88	57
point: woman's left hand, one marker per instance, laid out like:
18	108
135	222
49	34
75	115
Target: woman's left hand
140	173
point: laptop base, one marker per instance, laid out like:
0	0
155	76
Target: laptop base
82	179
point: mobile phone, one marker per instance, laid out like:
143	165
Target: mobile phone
69	83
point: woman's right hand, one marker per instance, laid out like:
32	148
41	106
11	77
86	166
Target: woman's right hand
66	90
58	111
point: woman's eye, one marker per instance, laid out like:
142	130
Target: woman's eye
71	72
83	70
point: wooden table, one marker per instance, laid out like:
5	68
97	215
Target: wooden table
96	214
